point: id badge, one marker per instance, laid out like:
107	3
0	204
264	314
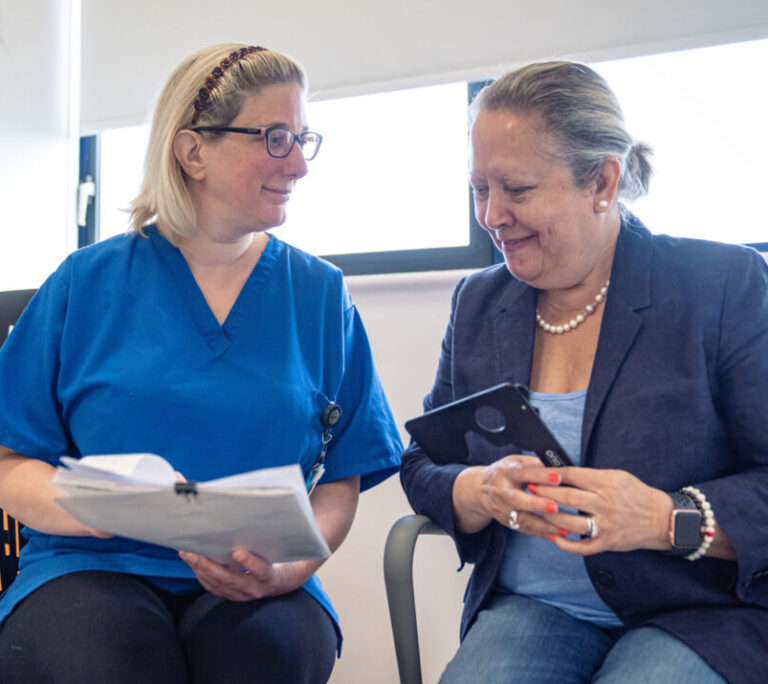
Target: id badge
314	476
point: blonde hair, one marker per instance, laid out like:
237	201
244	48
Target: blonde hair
578	107
227	72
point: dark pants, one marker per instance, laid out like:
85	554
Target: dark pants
93	627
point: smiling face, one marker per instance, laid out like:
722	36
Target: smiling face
545	226
242	188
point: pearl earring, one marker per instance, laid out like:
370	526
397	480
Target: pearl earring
603	204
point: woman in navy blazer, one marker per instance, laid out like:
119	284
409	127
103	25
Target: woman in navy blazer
648	357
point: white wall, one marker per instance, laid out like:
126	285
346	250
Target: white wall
37	181
405	316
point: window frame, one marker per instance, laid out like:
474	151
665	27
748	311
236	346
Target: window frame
89	166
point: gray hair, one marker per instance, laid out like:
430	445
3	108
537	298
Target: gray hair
164	197
580	110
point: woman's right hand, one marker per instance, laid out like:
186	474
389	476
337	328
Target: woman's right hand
485	493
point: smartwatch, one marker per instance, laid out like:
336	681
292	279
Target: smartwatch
685	524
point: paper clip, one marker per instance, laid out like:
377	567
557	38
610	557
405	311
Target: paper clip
188	489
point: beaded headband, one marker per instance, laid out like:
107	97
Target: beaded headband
204	94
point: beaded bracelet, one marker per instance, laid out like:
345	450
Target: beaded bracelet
707	524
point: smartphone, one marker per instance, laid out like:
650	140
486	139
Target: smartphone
499	414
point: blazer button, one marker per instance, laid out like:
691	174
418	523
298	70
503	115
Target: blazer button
604	578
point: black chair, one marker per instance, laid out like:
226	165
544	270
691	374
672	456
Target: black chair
398	579
11	305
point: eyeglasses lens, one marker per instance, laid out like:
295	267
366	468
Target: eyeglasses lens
280	143
310	144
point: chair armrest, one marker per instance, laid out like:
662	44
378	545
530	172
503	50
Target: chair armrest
398	579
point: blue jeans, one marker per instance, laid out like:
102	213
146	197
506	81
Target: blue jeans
522	640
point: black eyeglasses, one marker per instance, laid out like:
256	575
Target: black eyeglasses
280	140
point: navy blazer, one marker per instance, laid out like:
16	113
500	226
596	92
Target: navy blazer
677	397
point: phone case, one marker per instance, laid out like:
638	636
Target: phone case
442	432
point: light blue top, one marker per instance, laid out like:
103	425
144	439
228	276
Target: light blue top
118	352
535	567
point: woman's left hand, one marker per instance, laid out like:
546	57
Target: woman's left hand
333	504
627	513
254	579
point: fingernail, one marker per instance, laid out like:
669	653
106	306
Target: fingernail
554	477
551	538
551	507
563	533
532	487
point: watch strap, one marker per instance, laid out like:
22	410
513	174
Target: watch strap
681	501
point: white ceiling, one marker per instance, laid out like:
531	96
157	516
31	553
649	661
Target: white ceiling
130	48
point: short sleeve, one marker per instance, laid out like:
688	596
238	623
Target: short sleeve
31	421
366	441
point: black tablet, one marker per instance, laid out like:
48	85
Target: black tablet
500	414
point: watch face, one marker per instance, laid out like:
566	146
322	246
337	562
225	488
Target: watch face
687	529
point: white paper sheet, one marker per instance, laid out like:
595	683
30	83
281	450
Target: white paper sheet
264	511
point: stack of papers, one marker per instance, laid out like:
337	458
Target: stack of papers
137	495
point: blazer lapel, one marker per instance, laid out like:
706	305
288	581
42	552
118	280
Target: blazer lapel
629	292
513	329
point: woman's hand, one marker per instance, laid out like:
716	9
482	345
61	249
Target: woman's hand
255	578
333	504
628	514
485	493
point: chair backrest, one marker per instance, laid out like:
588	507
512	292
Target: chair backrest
11	305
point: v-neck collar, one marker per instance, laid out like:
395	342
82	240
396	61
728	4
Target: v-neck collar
218	336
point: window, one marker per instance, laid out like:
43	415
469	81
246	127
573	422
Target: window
703	112
388	191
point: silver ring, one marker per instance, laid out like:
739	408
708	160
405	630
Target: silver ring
592	530
513	522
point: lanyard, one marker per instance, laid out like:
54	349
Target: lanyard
328	418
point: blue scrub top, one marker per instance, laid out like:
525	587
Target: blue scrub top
118	352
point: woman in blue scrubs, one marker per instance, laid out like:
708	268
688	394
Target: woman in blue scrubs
200	337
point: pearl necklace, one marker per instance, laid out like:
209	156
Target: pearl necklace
574	323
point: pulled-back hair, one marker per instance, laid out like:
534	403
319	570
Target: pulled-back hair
580	110
227	73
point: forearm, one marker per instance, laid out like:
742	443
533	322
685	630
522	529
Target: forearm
334	506
26	494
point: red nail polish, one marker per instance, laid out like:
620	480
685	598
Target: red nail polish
532	487
554	477
551	538
551	507
563	533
